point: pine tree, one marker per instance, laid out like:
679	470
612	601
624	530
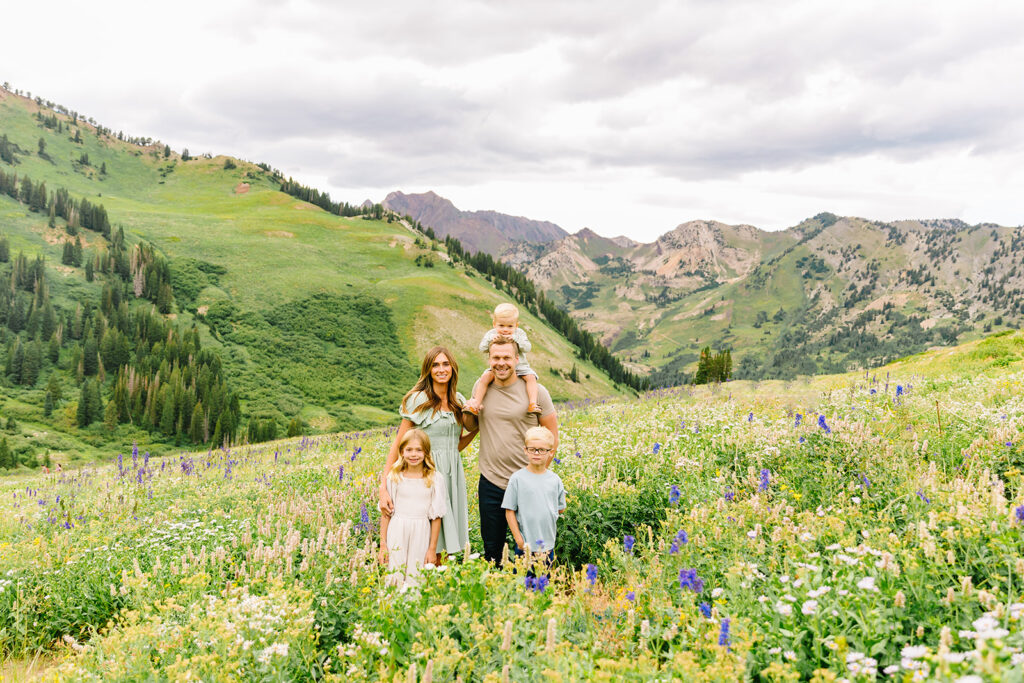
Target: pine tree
6	457
195	430
167	412
48	404
90	357
82	413
703	366
53	387
110	416
95	402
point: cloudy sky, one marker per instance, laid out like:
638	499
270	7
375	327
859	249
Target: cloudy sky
628	118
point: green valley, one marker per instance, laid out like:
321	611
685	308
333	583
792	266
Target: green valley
314	316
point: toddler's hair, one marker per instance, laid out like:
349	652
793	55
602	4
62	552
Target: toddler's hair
428	460
506	312
540	434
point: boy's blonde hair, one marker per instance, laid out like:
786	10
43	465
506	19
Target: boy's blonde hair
428	460
540	434
505	312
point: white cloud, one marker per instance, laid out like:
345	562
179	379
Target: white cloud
624	118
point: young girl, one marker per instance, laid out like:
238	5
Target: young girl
506	324
408	538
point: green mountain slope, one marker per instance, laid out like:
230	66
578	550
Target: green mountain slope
314	315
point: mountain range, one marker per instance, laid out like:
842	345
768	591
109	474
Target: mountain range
829	294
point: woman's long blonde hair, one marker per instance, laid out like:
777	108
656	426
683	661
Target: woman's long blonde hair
428	460
426	385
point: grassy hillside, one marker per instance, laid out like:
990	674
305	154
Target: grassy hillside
313	314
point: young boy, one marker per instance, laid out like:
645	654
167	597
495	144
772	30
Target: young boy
506	324
535	498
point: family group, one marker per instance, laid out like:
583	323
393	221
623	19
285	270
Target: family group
423	492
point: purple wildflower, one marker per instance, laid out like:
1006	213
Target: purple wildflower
766	480
688	579
537	584
631	596
723	634
899	389
823	424
674	495
750	417
705	609
796	422
920	494
341	472
729	495
656	448
865	483
591	573
627	543
1019	512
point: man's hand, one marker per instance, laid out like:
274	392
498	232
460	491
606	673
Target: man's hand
431	557
382	556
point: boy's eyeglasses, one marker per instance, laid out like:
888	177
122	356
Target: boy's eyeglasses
535	451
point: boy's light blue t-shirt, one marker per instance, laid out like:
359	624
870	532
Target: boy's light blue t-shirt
536	499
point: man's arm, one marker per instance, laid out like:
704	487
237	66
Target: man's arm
551	422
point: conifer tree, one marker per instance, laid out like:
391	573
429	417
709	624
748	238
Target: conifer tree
6	457
53	387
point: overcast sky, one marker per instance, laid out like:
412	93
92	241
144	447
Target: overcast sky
628	118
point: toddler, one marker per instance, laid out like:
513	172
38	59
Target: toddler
506	324
408	538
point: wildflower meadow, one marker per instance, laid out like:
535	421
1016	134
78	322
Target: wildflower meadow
860	527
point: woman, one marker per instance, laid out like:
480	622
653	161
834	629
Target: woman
435	406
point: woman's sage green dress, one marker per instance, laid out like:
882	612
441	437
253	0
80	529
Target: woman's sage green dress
444	432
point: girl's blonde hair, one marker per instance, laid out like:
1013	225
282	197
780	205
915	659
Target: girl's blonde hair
428	460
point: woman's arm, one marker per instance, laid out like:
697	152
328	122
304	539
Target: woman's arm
435	532
466	439
382	556
386	505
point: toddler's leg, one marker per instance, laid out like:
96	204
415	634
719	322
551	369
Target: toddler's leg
474	404
531	393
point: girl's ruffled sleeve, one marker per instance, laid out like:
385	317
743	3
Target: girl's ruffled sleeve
409	411
438	498
392	487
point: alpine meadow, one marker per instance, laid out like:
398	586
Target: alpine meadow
786	456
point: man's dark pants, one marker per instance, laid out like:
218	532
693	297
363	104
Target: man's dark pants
493	525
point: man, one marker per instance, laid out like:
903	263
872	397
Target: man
503	424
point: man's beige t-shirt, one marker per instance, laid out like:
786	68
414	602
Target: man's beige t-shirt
503	425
